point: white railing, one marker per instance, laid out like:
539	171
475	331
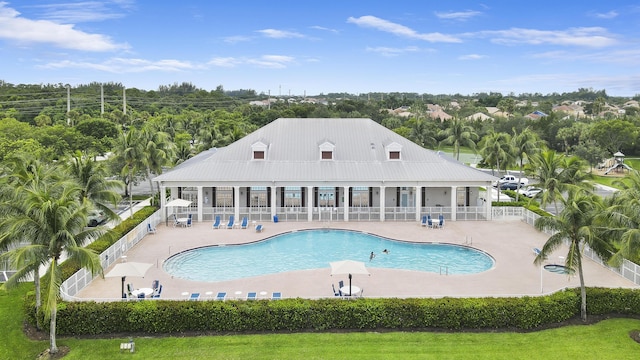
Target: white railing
83	277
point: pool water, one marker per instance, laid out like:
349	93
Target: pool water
313	249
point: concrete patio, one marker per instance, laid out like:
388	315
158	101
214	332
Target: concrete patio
509	242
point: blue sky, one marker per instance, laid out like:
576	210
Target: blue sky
299	47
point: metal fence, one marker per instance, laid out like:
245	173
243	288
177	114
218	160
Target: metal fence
82	278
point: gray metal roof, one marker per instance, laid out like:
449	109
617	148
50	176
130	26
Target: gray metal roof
293	156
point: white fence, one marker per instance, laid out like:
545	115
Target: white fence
629	270
82	278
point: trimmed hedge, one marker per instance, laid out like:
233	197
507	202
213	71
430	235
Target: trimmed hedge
241	316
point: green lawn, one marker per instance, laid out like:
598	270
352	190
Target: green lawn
606	340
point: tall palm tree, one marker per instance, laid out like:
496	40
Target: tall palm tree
575	225
623	219
459	133
524	144
129	146
546	167
96	188
158	151
495	148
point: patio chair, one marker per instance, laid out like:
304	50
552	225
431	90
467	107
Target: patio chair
441	221
175	221
244	223
155	284
151	229
340	284
189	219
424	220
429	222
194	296
252	295
157	292
129	290
536	251
335	292
221	295
276	296
216	223
259	228
231	222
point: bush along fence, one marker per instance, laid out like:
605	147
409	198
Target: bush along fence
250	316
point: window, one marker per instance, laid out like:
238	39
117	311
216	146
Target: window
326	150
258	155
292	196
224	196
360	196
393	151
327	155
394	155
259	196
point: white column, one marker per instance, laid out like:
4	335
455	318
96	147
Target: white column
418	202
454	202
309	203
488	199
200	202
236	202
382	199
274	202
346	203
163	202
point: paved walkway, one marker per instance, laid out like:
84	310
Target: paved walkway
510	242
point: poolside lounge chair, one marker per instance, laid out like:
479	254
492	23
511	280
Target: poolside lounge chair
151	229
216	223
189	219
424	220
536	251
194	296
244	223
429	222
252	295
175	221
259	228
157	292
221	295
276	296
441	221
231	222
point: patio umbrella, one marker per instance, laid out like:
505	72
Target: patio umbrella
128	269
349	267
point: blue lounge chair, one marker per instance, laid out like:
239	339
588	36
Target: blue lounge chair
151	229
429	221
216	223
252	295
221	296
157	292
155	284
276	296
188	223
259	228
244	223
424	220
231	222
536	251
194	296
441	221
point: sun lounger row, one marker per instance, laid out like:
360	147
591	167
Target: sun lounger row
218	224
432	224
221	296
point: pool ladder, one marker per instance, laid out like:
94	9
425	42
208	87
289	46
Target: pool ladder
446	270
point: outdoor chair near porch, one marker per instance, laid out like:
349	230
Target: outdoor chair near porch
276	295
252	295
157	292
231	222
429	222
194	296
441	221
221	295
151	229
244	223
424	220
259	228
217	223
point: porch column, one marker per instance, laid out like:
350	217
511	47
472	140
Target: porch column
346	203
488	200
200	203
418	203
382	199
454	202
163	203
274	203
309	203
236	202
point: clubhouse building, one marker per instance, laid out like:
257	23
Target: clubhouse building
300	169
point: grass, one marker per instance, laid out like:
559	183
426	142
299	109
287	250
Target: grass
605	340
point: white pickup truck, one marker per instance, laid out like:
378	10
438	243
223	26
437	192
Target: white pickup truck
512	179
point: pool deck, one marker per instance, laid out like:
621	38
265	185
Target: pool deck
509	242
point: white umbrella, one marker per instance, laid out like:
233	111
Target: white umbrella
174	203
128	269
348	267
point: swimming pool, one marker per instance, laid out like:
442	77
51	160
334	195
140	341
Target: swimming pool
313	249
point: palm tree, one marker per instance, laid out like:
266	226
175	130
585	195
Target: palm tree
96	188
546	167
623	219
495	148
459	134
524	144
129	147
158	150
575	225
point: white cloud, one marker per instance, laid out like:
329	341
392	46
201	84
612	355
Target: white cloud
279	34
236	39
224	62
324	29
608	15
264	61
400	30
22	30
85	11
458	15
390	52
472	57
629	57
124	65
581	36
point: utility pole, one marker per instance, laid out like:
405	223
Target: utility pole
101	100
68	104
124	100
269	100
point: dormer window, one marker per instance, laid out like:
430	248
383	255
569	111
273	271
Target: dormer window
259	150
326	150
393	151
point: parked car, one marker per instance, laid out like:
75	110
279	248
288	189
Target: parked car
508	186
531	192
511	179
96	217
